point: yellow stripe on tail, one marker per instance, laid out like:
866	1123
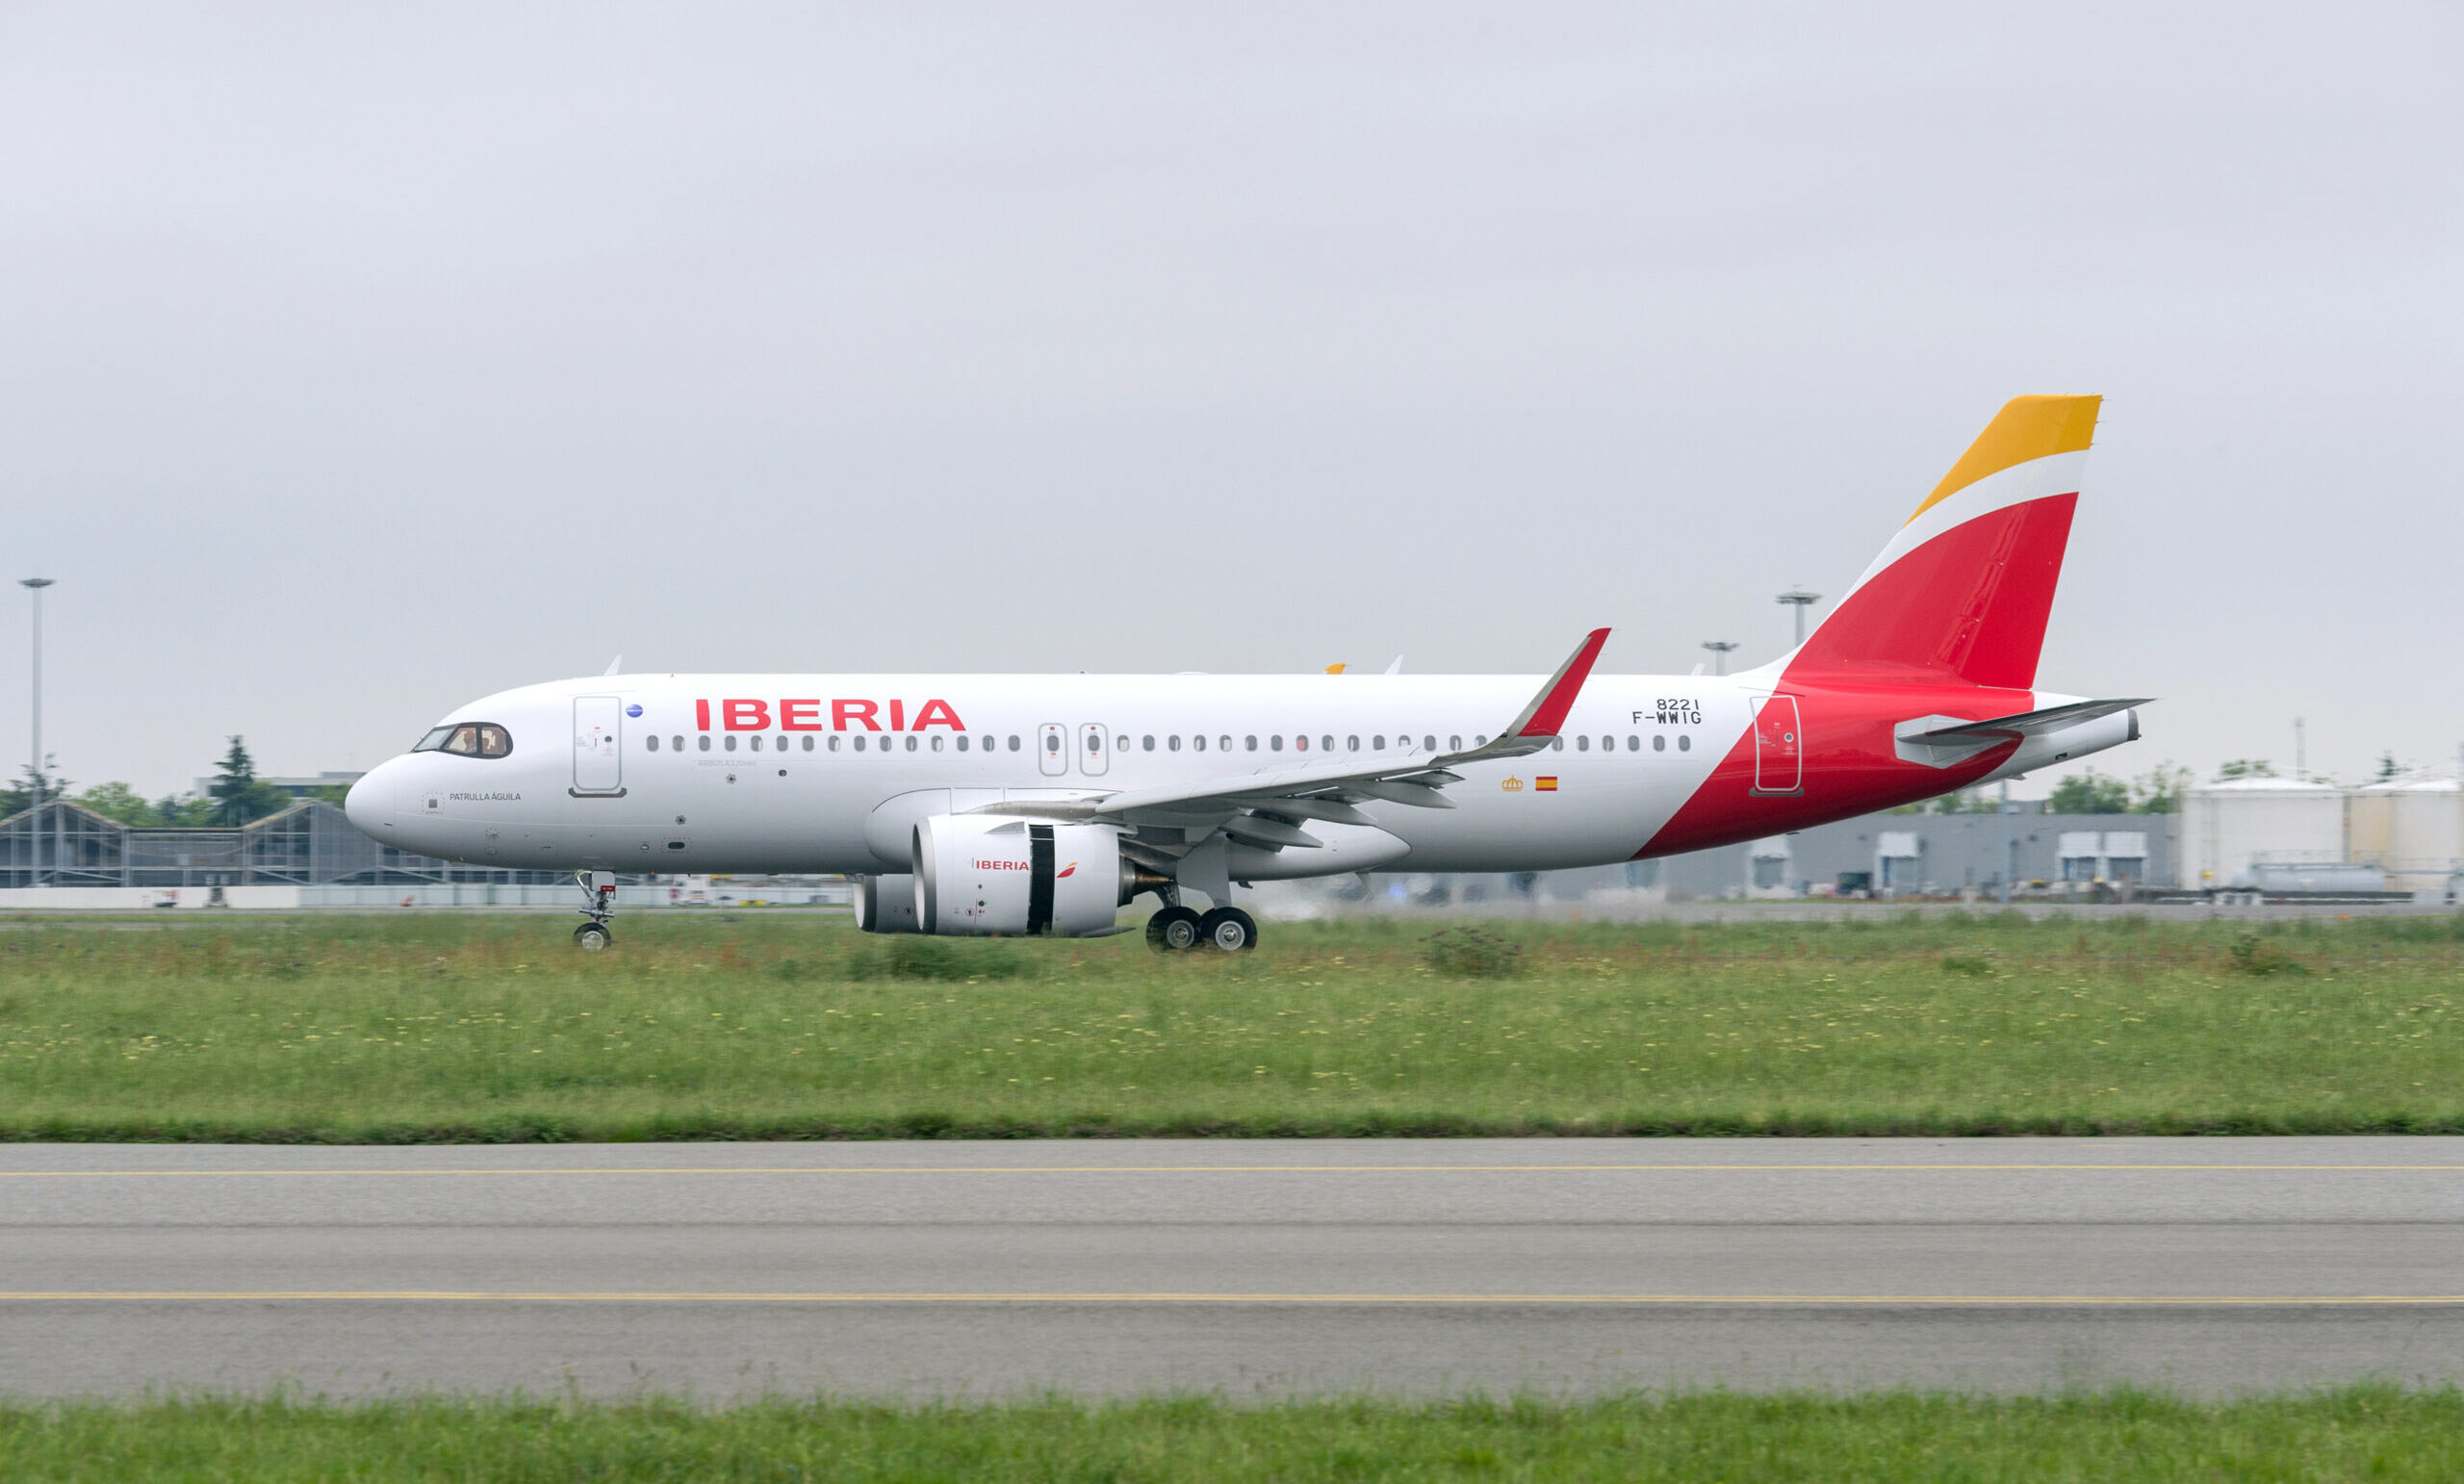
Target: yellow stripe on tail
2027	428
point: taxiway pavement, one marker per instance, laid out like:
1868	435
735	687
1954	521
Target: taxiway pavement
1564	1266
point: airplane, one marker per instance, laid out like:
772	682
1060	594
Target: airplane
1041	805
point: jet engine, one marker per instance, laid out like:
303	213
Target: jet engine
886	904
985	875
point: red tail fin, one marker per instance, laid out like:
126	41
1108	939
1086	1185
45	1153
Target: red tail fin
1966	585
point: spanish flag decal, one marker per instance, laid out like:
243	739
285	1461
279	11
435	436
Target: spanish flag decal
1546	783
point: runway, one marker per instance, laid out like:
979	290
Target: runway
919	1271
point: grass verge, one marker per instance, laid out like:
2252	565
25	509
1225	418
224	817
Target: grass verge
444	1027
1905	1439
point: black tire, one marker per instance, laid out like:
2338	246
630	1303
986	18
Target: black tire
593	935
1229	930
1173	929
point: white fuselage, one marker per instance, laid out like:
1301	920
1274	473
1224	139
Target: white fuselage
824	773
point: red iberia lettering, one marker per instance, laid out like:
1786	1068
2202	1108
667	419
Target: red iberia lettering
800	715
1003	865
702	714
746	715
898	716
841	712
938	713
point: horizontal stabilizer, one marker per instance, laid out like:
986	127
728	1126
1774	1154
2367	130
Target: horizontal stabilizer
1939	741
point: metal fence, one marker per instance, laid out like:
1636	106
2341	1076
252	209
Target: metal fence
311	843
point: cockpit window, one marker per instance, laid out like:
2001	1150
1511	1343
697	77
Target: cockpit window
468	739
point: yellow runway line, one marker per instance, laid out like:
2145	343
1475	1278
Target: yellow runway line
1863	1300
1227	1170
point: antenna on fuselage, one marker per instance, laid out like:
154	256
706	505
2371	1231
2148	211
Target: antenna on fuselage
615	665
1396	668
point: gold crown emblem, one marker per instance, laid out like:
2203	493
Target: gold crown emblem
1512	784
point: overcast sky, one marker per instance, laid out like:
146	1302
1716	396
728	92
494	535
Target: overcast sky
352	367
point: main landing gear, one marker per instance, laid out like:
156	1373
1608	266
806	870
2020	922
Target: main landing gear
599	890
1176	927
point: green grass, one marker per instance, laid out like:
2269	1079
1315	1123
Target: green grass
2363	1434
442	1027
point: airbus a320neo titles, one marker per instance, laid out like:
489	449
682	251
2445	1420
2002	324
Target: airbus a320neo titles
990	804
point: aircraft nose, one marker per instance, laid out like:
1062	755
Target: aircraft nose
369	803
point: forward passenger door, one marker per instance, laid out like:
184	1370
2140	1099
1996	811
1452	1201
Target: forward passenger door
599	751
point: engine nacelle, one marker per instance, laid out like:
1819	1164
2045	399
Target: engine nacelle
886	904
985	876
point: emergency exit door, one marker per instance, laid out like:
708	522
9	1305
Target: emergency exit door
1052	749
1094	747
1779	747
598	753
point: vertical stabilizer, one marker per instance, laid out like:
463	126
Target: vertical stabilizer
1964	590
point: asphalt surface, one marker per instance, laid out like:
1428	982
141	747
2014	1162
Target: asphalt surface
1565	1266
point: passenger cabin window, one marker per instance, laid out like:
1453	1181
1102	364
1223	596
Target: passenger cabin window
961	741
653	741
468	739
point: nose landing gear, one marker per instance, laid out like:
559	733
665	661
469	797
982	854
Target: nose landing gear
599	890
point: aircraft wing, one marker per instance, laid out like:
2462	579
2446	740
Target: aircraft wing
1267	807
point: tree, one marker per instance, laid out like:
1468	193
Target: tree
32	788
186	811
2089	793
241	796
117	801
2244	767
2388	766
2159	790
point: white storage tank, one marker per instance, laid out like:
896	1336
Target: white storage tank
2229	827
2412	829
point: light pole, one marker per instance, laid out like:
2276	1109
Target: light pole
1799	600
34	774
1719	649
2003	808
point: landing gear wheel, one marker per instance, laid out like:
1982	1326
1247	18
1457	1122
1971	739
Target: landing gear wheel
1175	928
593	935
1229	930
